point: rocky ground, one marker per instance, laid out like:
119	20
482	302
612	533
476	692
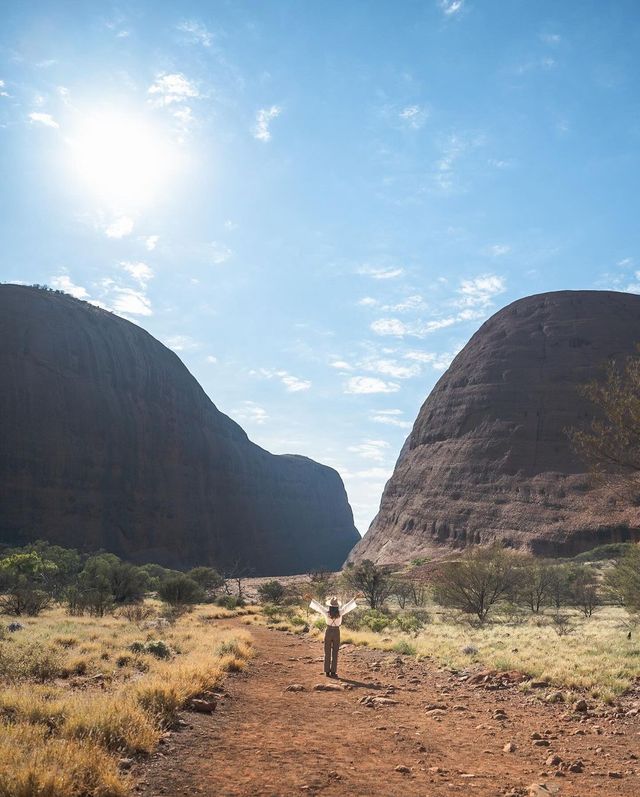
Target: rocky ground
391	726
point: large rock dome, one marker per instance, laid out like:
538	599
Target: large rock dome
107	441
488	457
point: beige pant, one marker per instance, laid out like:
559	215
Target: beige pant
331	646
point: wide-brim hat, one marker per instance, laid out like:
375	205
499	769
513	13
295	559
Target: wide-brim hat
333	602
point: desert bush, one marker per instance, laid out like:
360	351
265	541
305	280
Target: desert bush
584	589
272	592
401	590
180	591
372	581
535	583
322	583
136	613
23	577
373	619
405	648
561	624
207	577
230	601
158	648
412	621
31	662
477	581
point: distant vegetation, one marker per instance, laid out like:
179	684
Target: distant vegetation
97	657
571	622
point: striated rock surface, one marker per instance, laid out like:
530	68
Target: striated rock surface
488	457
107	441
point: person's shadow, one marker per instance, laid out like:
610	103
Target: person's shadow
361	684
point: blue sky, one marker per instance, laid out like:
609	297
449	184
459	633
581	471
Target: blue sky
317	204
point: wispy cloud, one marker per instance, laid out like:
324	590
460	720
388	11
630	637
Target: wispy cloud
497	250
368	301
390	418
380	273
480	290
410	304
45	119
128	301
219	253
292	383
168	89
392	368
552	39
151	241
391	326
451	7
264	117
341	365
181	343
196	33
140	272
438	361
250	412
63	283
413	116
119	228
370	449
369	384
3	92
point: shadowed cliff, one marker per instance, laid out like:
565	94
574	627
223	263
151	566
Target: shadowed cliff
488	457
107	441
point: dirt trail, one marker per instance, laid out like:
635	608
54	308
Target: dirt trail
268	742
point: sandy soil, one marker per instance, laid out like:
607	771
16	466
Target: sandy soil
443	736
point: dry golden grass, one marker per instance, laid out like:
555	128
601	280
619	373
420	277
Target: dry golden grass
75	696
595	656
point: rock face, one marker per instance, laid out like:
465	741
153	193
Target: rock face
488	457
107	441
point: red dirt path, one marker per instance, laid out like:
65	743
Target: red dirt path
263	741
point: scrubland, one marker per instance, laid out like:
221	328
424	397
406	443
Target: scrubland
592	654
81	695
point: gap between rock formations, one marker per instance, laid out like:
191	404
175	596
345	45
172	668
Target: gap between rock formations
390	726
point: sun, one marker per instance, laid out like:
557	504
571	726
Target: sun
123	159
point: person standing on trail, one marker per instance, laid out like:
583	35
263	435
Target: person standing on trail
333	614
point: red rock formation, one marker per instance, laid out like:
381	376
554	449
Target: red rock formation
107	441
488	457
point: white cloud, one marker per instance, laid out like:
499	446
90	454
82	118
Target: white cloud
171	88
392	368
551	38
390	418
3	93
63	283
131	302
292	383
380	273
219	253
415	302
181	343
141	272
341	365
196	32
480	290
211	359
369	384
625	262
230	225
119	228
451	7
151	241
438	361
370	449
250	412
264	117
390	326
413	116
368	301
497	250
43	119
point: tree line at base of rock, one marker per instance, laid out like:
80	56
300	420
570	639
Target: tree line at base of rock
34	577
481	579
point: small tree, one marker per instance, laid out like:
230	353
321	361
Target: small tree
623	580
208	578
401	590
372	581
535	583
477	581
584	588
180	591
612	443
24	578
272	592
322	583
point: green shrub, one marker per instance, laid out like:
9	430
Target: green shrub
229	601
412	621
180	591
404	647
158	648
272	592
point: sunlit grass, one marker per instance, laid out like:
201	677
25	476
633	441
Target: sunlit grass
78	692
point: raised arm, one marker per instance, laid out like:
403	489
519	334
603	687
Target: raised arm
349	607
318	607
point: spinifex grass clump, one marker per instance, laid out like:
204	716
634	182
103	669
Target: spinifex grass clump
78	692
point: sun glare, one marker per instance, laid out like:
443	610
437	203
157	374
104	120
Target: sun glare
124	160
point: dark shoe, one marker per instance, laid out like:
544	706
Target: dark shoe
333	674
328	674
